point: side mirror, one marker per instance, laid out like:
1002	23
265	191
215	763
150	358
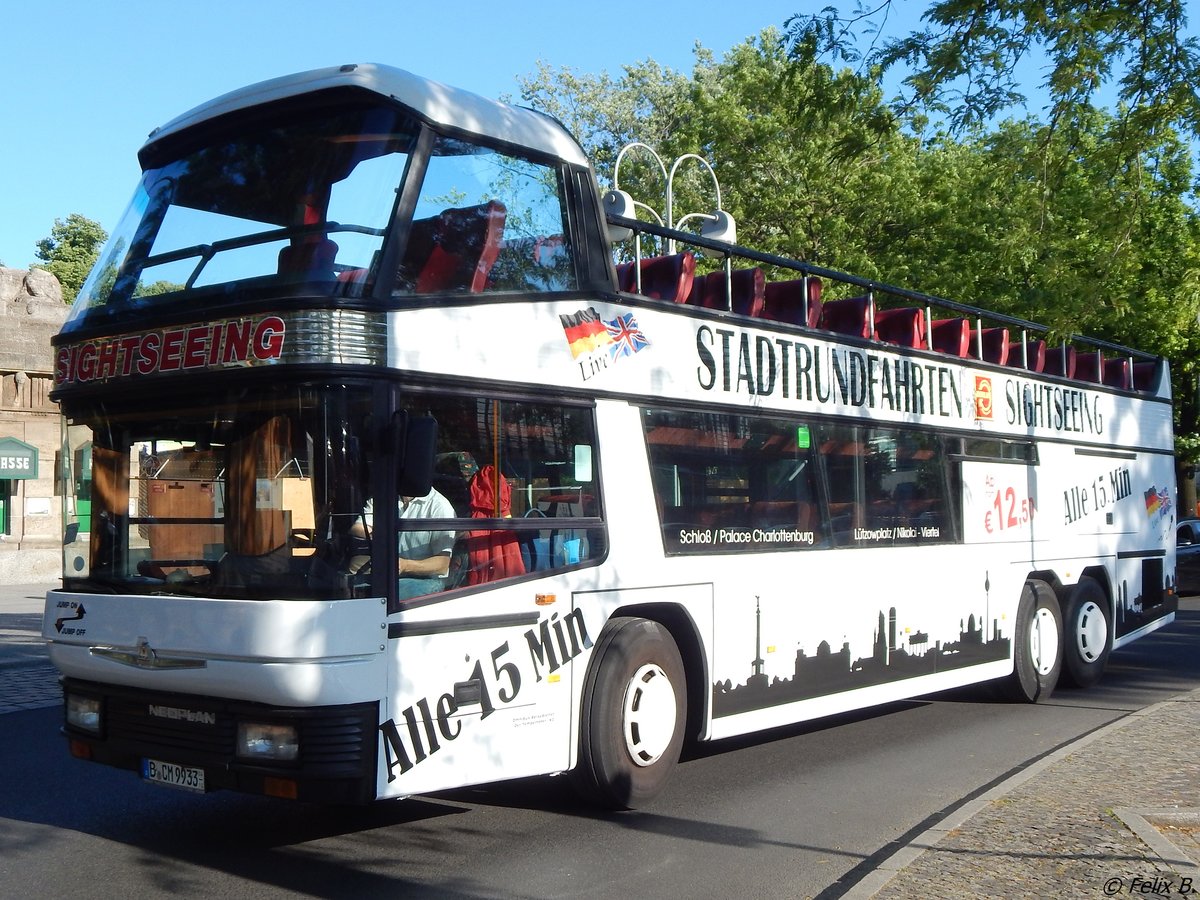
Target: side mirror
618	203
415	447
720	226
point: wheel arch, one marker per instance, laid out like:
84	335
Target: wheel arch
1100	575
1050	577
1097	573
686	635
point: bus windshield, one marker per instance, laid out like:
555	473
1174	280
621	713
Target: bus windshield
299	199
229	498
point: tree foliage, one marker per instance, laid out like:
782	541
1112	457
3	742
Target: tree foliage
797	147
70	251
967	62
605	114
1056	222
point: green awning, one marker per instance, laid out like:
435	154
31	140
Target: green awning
18	460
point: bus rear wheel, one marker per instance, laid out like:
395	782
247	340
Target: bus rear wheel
1038	644
634	712
1087	634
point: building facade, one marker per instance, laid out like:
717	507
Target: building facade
31	312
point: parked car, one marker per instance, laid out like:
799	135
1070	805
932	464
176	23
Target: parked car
1187	557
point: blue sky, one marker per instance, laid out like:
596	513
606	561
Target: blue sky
83	83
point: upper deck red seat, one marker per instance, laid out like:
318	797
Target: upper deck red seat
667	278
989	345
625	280
308	258
1089	366
904	326
744	294
454	250
1061	361
783	301
1032	358
1118	372
1145	375
854	316
951	336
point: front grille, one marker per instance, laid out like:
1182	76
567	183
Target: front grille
129	721
335	741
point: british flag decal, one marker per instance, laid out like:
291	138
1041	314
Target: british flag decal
627	338
597	343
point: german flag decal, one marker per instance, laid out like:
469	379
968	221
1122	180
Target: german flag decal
585	331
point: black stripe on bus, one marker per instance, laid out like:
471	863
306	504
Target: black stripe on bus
1140	554
474	623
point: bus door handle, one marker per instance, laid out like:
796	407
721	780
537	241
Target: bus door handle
467	692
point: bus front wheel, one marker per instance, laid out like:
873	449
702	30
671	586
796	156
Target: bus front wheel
1038	644
1087	637
634	711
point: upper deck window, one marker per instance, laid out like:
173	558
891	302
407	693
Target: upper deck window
302	199
486	221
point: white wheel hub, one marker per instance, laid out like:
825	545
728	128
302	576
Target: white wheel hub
650	713
1043	641
1091	632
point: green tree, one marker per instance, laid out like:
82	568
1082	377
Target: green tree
797	147
606	114
70	251
965	63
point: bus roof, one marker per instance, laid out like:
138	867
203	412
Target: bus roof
438	103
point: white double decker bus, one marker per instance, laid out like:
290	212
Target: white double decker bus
383	478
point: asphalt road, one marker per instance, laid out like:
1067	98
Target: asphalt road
797	812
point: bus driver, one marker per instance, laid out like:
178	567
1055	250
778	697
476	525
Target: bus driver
424	555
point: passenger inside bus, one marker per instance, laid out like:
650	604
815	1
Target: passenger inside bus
491	554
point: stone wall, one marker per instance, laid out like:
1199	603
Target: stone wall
31	312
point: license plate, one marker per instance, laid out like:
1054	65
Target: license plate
189	778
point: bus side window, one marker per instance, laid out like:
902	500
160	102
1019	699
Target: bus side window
843	458
732	483
524	495
540	263
887	486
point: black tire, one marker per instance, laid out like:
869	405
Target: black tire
1087	634
1037	645
633	716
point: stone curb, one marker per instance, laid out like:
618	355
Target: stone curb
1136	820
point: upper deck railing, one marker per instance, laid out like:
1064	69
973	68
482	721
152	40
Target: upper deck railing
881	312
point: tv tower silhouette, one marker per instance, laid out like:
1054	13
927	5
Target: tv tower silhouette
758	660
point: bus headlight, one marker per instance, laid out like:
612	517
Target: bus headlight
258	740
83	713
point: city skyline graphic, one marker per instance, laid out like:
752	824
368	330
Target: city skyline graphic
831	672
